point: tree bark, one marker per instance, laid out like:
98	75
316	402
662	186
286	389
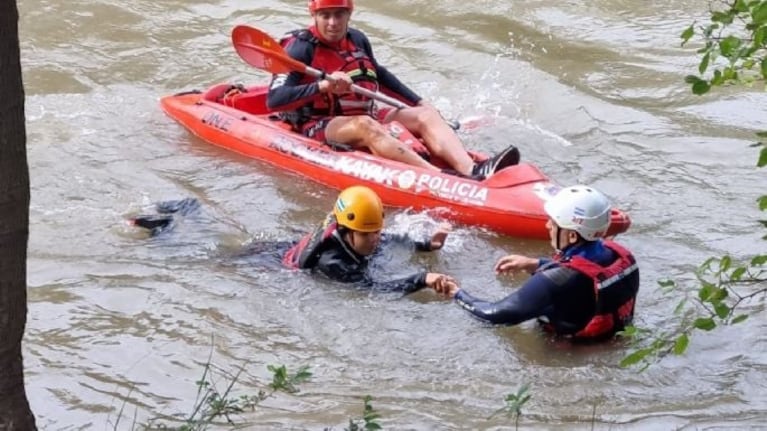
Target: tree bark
15	413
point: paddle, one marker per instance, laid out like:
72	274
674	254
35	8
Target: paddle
259	50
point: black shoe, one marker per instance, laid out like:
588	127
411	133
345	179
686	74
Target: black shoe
155	223
507	157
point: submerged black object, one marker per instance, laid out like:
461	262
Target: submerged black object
167	210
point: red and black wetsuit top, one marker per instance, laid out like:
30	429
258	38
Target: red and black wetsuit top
586	293
324	250
298	95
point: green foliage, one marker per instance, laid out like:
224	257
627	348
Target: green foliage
762	160
681	343
739	57
212	405
369	418
734	42
704	323
283	381
514	404
724	286
636	357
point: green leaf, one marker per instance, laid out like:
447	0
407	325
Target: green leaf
705	324
738	273
722	310
629	331
759	36
524	399
681	344
762	134
718	79
704	63
762	159
718	294
764	68
667	283
700	87
680	306
687	34
729	45
729	73
723	17
302	375
759	14
738	319
705	292
635	357
691	79
759	260
740	6
724	263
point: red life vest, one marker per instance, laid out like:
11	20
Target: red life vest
307	251
615	288
347	57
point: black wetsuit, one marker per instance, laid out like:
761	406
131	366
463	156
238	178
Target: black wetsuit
563	298
325	251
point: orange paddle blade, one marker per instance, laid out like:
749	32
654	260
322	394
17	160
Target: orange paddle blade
258	49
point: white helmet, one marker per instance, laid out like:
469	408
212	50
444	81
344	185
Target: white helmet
582	209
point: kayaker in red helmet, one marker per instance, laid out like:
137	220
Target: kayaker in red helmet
331	112
587	291
340	248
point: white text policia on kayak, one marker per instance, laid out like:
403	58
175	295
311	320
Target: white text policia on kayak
448	187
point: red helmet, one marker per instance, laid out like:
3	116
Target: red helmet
315	5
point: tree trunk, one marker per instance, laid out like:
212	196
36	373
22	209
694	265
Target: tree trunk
15	413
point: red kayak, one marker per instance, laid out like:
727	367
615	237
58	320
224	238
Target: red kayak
509	202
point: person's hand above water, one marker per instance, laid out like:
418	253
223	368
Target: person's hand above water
515	262
444	284
439	236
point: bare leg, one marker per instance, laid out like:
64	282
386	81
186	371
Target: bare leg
363	131
439	138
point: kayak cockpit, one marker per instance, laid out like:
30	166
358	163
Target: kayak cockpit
246	99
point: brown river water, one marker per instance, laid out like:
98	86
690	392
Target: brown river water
592	92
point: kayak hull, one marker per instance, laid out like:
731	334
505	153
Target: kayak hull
509	202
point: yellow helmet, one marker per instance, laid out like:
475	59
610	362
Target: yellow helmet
359	208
